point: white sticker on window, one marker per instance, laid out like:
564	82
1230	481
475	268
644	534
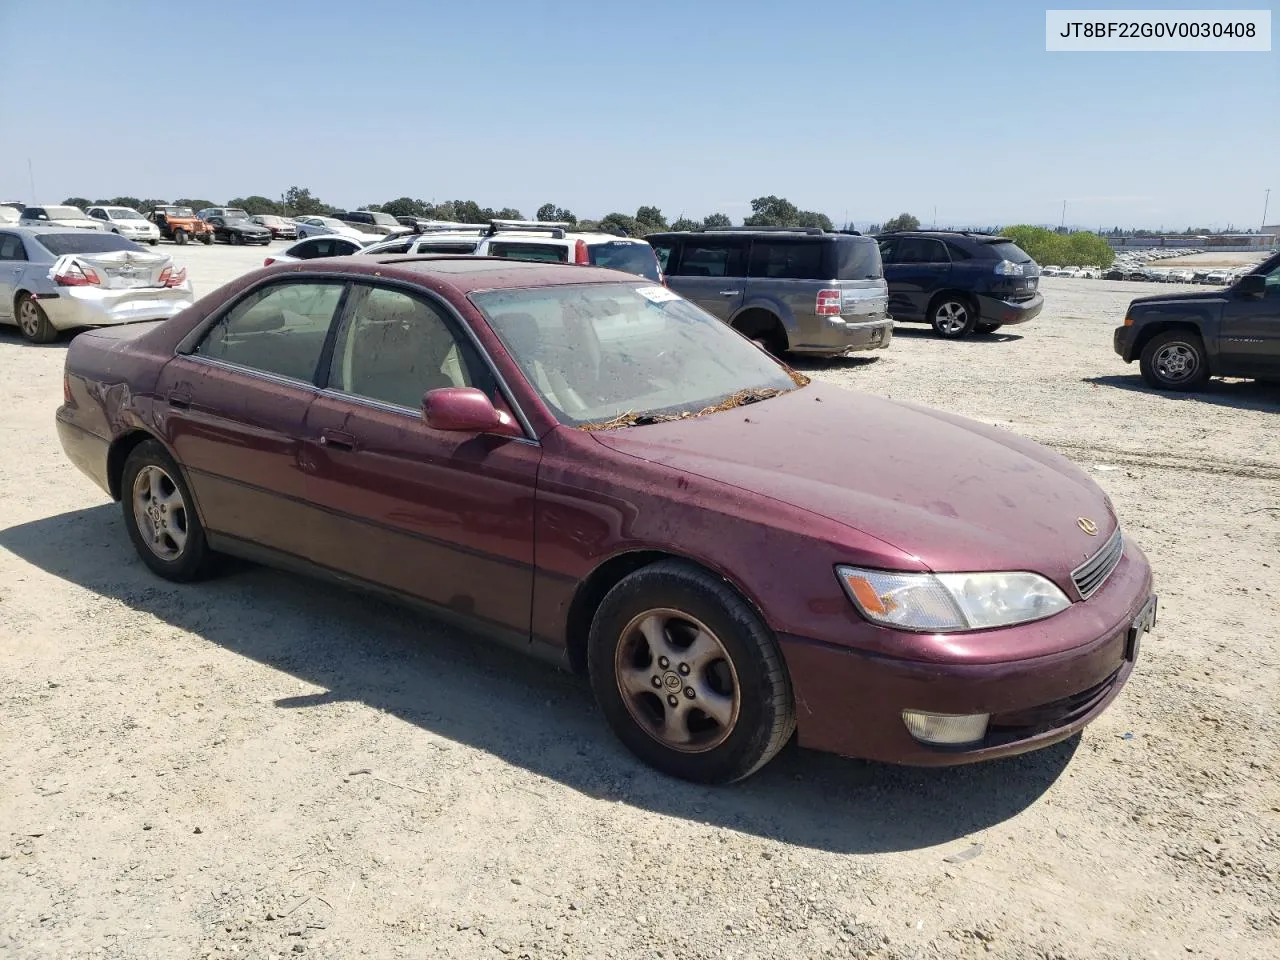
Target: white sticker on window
658	294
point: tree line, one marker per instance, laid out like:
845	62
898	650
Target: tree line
769	211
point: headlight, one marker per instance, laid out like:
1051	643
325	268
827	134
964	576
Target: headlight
947	602
1007	268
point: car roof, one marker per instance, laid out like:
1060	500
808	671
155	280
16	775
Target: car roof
798	233
466	273
569	237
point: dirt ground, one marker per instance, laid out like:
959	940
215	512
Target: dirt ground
260	766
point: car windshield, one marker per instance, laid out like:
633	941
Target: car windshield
385	220
1009	251
621	354
60	244
65	213
233	214
177	211
637	258
123	213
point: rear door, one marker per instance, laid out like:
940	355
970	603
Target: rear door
1249	343
234	405
711	272
443	516
915	268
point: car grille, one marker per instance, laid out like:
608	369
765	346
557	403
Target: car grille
1018	725
1092	574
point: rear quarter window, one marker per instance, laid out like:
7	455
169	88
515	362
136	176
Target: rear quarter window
543	252
858	258
1008	251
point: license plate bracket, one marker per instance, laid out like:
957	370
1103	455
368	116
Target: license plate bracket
1142	624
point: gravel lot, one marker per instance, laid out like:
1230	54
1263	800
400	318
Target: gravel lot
260	766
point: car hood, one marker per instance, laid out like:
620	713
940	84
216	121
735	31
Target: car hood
1176	297
954	494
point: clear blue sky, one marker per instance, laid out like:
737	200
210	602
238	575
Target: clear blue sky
866	107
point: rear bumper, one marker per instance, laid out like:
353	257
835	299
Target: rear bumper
86	450
836	336
75	307
1009	312
850	702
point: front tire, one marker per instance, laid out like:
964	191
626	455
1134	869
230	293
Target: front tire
1175	360
688	676
180	237
234	239
953	317
207	239
160	515
33	322
154	243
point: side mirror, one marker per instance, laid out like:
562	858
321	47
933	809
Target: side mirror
1252	285
465	410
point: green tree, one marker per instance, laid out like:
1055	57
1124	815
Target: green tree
511	213
772	211
195	205
651	219
299	201
808	218
133	203
716	220
405	207
903	221
256	205
684	223
1081	248
149	205
620	223
549	212
80	202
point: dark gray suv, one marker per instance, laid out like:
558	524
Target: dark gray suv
806	291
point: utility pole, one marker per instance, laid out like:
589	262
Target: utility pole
1063	225
935	216
32	178
1266	202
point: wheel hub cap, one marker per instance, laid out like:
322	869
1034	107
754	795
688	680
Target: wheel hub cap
161	512
1177	361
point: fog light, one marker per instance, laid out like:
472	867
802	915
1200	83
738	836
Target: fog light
946	729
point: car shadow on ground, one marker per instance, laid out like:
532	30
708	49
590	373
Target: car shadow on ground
1241	394
925	332
11	334
856	362
363	649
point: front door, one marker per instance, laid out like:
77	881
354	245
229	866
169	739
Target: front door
1249	342
711	272
445	517
233	409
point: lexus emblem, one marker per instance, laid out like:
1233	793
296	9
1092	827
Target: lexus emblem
1087	525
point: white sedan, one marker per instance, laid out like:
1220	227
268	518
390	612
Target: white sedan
321	226
127	222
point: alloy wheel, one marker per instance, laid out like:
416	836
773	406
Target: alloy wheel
1177	362
160	512
677	680
952	317
29	319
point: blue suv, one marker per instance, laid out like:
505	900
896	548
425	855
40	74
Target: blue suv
959	282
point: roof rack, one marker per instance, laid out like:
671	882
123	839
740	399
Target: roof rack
555	229
810	231
958	233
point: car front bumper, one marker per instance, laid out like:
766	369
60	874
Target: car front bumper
838	336
851	702
1008	312
1122	340
73	307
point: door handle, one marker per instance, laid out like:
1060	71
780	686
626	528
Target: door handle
179	401
729	293
337	440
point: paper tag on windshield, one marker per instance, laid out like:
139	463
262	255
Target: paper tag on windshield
657	294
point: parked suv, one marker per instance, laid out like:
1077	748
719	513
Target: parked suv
1182	339
368	221
803	290
558	243
959	282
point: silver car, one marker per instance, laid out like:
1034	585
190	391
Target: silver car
127	222
59	278
59	215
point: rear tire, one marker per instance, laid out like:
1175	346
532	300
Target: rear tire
153	242
671	629
1175	360
953	317
33	322
160	515
765	329
180	237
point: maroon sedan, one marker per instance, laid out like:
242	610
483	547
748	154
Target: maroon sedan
585	464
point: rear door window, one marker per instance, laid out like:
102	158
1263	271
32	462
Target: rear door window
278	329
786	259
11	247
713	258
545	252
634	258
858	258
921	250
1010	251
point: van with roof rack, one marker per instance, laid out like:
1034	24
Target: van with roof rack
556	242
799	290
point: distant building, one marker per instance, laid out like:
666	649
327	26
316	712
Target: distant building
1220	242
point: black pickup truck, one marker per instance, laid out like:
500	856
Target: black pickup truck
1182	339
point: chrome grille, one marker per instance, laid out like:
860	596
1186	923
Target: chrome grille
1092	574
